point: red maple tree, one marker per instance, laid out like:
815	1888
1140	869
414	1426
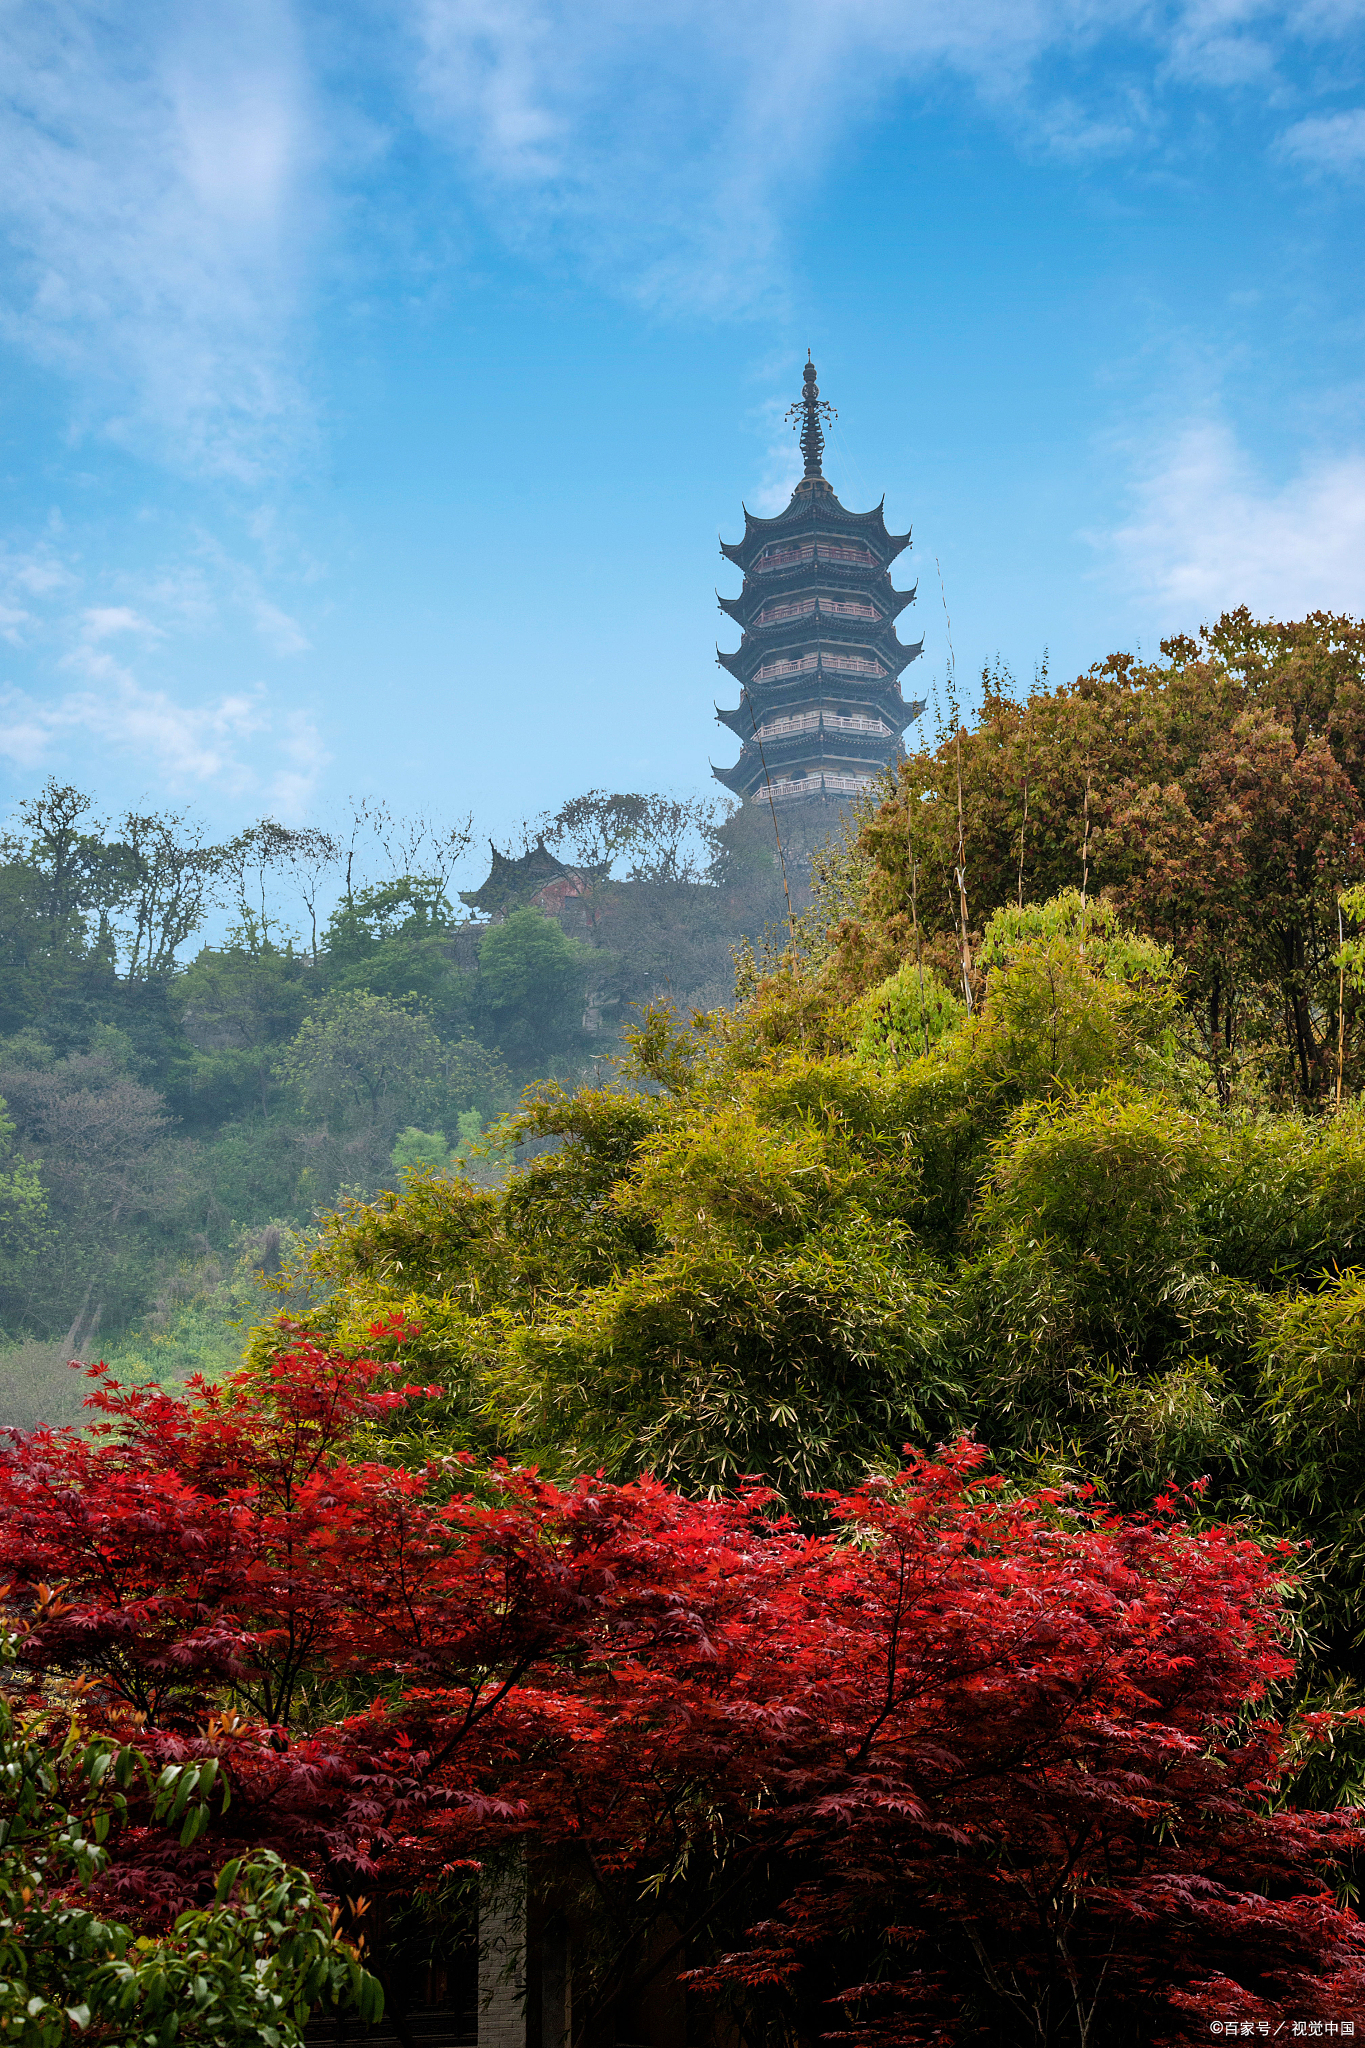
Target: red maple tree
958	1767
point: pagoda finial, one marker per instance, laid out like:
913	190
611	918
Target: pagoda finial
807	414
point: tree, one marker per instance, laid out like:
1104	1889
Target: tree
531	986
25	1232
359	1060
168	873
98	1138
394	940
412	907
53	882
968	1763
1216	796
1001	1813
658	838
310	855
749	1268
415	843
239	1004
417	1151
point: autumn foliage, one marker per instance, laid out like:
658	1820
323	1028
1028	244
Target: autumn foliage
1216	797
951	1766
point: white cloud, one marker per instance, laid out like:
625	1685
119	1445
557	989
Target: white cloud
154	194
1209	532
669	143
107	678
174	601
281	633
103	621
1224	42
1326	142
26	579
219	745
167	171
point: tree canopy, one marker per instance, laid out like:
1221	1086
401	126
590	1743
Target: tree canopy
970	1762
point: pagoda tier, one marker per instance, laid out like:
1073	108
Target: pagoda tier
821	710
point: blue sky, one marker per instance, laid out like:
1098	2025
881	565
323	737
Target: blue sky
376	378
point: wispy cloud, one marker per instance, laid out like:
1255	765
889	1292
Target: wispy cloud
670	143
161	175
111	663
182	747
168	174
104	621
1332	143
154	193
27	578
1208	531
52	600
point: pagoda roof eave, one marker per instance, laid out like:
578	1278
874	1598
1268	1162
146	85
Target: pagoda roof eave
810	509
886	702
804	504
819	630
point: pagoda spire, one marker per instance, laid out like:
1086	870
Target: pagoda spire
807	413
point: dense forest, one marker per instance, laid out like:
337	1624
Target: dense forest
1065	1147
175	1110
865	1511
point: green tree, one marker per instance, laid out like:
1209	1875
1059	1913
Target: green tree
25	1230
754	1268
361	1061
531	987
238	1003
394	940
417	1151
116	1195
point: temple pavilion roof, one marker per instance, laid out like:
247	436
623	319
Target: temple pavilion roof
511	883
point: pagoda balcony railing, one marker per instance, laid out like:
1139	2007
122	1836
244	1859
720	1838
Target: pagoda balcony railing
786	788
787	666
835	664
832	551
810	551
853	665
783	558
799	721
850	785
806	607
854	724
809	721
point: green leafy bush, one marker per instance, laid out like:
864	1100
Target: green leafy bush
246	1969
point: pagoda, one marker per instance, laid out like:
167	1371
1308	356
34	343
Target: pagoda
820	712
